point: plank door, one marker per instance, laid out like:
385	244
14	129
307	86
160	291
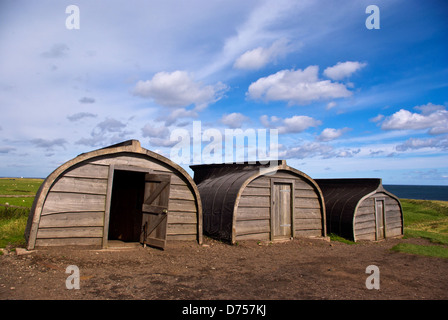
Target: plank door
379	212
281	211
155	209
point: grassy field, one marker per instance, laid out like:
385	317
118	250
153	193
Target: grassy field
422	219
429	220
13	220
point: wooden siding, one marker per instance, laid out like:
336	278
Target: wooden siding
74	210
254	209
364	221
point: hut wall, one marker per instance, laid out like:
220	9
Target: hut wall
74	209
365	219
253	216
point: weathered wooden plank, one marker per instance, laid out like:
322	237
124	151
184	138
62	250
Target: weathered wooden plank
365	210
369	229
307	224
181	192
304	213
181	237
255	201
88	170
136	160
251	213
303	185
72	219
265	236
261	182
252	226
184	228
182	217
308	233
393	219
256	191
305	193
306	203
365	224
73	202
364	217
395	232
74	232
182	206
69	242
81	185
366	236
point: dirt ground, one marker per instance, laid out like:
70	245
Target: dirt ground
302	269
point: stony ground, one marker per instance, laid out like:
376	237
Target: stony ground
302	269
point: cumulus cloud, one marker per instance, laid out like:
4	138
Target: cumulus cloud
49	144
7	149
330	134
58	50
343	69
108	131
81	115
177	114
259	57
432	117
178	89
158	136
297	87
316	149
234	120
295	124
415	144
87	100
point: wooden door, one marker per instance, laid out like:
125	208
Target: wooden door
155	209
281	211
379	212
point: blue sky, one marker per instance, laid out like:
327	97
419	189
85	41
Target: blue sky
347	101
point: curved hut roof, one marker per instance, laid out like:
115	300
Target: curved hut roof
342	197
221	186
127	147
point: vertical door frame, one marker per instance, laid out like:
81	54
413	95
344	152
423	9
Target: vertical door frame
110	181
377	227
292	184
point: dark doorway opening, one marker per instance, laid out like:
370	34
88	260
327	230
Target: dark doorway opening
125	218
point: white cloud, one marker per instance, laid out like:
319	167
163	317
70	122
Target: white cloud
259	57
296	87
178	89
415	144
343	69
295	124
81	115
434	118
331	105
234	120
329	134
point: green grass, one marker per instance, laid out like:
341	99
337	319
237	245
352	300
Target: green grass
19	186
13	220
12	226
335	237
428	220
430	251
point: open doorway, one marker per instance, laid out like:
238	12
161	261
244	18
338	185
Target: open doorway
125	217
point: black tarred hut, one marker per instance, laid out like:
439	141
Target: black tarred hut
255	201
361	209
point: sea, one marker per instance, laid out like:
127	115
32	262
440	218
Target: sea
418	192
